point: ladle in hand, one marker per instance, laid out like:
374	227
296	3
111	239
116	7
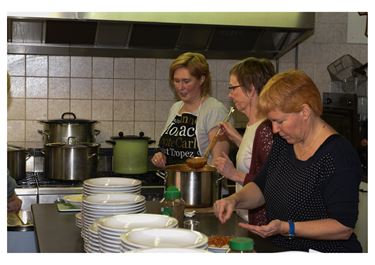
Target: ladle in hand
201	161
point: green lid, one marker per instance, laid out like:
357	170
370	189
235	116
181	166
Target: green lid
172	193
241	244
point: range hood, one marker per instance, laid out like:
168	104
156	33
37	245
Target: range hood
158	35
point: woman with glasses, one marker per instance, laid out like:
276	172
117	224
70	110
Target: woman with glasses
246	80
192	121
310	181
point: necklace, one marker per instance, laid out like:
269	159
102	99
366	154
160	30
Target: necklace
189	110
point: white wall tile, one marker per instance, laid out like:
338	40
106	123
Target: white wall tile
36	65
146	127
17	108
102	110
123	88
124	67
36	109
16	130
36	87
102	67
144	110
57	107
105	134
162	68
80	88
16	65
102	88
59	88
32	133
81	66
124	110
81	108
145	68
17	87
145	89
163	90
162	109
127	127
59	66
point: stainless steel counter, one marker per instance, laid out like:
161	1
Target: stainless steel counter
56	231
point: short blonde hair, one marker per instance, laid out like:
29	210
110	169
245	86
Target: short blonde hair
288	91
197	65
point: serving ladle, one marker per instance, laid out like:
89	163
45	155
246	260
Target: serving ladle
200	161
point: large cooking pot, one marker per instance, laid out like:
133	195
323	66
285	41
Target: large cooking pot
130	153
199	187
16	161
71	161
60	130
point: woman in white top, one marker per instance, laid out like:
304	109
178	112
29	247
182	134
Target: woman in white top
246	80
193	121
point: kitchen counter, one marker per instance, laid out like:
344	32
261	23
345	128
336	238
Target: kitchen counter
56	231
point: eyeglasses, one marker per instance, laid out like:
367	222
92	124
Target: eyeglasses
233	87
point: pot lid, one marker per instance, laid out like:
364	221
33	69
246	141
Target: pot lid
121	136
68	120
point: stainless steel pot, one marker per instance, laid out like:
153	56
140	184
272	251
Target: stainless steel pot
71	161
199	188
130	153
60	130
16	161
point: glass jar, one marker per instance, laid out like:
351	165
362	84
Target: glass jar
173	205
241	245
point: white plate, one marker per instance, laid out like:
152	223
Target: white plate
170	250
164	237
114	199
125	222
112	182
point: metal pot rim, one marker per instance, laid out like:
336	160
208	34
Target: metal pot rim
66	145
186	168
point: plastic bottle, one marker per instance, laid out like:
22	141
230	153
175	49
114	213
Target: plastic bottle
241	245
173	205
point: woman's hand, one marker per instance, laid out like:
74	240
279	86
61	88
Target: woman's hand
14	203
229	131
275	227
159	160
225	166
224	208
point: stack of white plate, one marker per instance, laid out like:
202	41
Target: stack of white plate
170	250
78	217
110	228
111	185
162	238
91	245
99	205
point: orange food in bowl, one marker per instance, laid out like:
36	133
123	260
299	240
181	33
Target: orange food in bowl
219	241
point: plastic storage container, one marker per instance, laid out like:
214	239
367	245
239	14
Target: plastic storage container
241	245
173	205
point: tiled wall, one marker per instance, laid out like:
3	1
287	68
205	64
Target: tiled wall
132	94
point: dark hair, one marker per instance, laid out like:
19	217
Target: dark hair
253	71
288	91
197	65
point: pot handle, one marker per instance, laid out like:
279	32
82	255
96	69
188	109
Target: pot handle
68	113
91	156
219	179
44	133
151	141
111	142
96	132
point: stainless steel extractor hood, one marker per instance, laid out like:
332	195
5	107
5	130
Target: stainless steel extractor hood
159	35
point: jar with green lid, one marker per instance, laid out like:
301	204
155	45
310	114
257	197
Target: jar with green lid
173	205
241	245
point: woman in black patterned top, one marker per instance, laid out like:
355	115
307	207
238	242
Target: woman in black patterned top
309	185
